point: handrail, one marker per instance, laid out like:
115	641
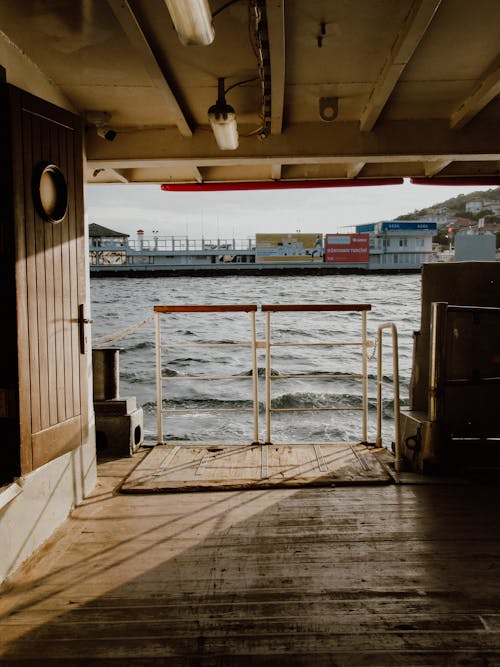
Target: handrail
297	307
398	462
222	308
321	307
254	344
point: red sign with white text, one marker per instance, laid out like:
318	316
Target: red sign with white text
347	248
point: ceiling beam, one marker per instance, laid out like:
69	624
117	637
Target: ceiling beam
139	43
413	29
340	143
197	174
276	30
160	162
107	175
354	169
117	176
486	90
433	167
276	171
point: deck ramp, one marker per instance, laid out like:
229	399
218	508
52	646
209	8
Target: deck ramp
191	467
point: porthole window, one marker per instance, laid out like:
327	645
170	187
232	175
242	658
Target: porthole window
50	192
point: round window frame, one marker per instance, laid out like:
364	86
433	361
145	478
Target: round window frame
60	209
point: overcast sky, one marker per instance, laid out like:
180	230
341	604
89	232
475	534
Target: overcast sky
127	208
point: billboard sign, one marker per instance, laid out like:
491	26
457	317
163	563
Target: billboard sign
289	247
347	248
404	226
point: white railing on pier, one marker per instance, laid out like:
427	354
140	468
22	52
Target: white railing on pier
186	244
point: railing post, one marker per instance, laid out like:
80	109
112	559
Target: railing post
159	390
398	462
268	377
255	379
378	439
365	376
438	328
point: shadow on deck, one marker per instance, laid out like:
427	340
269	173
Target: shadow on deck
372	575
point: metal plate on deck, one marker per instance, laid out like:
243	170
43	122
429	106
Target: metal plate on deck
192	467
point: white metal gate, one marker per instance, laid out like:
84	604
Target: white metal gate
253	345
362	343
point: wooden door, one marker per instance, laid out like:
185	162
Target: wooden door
49	276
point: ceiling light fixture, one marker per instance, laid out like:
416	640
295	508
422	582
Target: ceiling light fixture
223	121
192	20
100	120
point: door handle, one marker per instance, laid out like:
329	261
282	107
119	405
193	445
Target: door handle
82	321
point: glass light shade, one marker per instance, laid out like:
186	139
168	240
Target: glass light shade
192	20
224	127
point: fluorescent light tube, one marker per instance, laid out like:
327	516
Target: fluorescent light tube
192	20
223	121
224	127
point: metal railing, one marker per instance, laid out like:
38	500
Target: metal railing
162	379
268	345
175	244
395	381
363	343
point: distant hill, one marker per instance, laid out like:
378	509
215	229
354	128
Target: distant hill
455	205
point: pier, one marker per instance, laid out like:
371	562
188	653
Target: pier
403	249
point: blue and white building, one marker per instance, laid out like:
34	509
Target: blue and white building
404	244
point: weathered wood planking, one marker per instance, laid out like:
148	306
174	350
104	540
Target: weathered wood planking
188	467
373	575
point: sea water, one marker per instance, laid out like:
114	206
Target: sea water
119	303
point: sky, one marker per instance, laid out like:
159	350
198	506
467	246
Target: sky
239	215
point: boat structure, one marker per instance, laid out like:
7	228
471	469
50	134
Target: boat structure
397	246
365	553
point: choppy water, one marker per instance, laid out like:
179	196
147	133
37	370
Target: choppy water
121	302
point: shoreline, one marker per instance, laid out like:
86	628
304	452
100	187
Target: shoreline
249	270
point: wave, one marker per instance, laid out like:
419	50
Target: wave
394	298
261	372
185	361
316	400
199	404
170	372
135	377
143	345
298	400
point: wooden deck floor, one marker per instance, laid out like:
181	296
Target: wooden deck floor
190	467
372	575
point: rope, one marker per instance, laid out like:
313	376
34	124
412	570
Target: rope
371	355
105	341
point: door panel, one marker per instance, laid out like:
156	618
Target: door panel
50	279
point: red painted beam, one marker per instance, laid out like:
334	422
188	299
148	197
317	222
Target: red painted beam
463	180
277	185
